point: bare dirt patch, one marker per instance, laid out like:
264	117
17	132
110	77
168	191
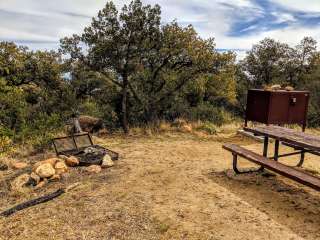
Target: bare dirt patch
176	186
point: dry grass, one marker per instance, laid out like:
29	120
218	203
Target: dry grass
169	186
197	128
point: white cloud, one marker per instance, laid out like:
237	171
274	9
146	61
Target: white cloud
284	17
291	35
300	5
32	20
46	8
47	21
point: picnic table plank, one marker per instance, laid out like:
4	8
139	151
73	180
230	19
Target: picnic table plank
301	139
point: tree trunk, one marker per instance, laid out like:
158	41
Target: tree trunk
150	114
124	104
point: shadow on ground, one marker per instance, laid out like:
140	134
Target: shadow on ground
289	204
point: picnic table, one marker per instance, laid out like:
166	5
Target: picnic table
301	142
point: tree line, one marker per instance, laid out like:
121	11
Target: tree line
129	69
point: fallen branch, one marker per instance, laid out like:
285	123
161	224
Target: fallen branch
33	202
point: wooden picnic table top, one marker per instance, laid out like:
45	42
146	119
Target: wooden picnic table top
297	138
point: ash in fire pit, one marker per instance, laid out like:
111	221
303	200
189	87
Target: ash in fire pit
92	156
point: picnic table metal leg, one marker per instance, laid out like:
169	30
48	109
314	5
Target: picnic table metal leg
234	164
265	149
265	146
261	168
301	159
276	150
235	167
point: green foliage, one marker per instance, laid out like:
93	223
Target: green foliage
91	108
311	82
206	112
150	64
33	95
271	61
40	131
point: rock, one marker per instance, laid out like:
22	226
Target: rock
51	161
55	177
19	165
41	184
60	167
34	178
90	124
276	87
72	161
93	169
267	88
107	161
289	88
45	170
89	150
20	182
93	151
186	128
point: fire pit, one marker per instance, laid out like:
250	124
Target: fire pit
81	146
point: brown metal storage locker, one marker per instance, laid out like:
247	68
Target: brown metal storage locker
277	107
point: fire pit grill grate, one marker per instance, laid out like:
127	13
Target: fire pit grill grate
81	146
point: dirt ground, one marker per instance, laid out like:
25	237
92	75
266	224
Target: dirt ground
170	186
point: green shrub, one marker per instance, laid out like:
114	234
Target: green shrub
91	108
207	112
40	131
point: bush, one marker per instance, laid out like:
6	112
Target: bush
91	108
40	131
207	112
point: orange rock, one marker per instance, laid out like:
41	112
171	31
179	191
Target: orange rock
72	161
45	170
276	87
60	167
289	88
19	165
41	184
51	161
186	128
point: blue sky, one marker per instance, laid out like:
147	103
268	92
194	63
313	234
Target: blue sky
235	24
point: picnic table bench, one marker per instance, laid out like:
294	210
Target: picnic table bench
300	141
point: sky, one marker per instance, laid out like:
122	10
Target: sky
235	24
